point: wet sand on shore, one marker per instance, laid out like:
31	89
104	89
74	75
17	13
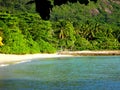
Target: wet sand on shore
10	58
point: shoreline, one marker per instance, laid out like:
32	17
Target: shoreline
6	59
92	53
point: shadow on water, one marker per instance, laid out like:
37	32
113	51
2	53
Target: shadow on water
56	85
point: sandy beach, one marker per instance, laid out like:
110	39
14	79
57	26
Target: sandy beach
91	53
10	58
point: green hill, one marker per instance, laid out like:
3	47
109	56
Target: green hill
76	26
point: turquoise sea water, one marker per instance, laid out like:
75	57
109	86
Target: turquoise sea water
71	73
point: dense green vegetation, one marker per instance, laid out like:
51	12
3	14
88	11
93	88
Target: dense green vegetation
71	27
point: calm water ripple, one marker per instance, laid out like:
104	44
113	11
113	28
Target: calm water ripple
74	73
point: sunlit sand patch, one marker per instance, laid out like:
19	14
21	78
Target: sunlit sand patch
10	59
3	65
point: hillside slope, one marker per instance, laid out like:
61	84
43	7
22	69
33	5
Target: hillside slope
72	26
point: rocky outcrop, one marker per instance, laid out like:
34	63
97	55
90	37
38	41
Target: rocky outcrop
104	6
116	1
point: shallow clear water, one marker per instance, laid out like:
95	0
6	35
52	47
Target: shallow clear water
73	73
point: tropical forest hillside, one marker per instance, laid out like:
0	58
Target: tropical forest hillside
72	26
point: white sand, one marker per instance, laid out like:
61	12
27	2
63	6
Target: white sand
93	53
7	58
10	58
